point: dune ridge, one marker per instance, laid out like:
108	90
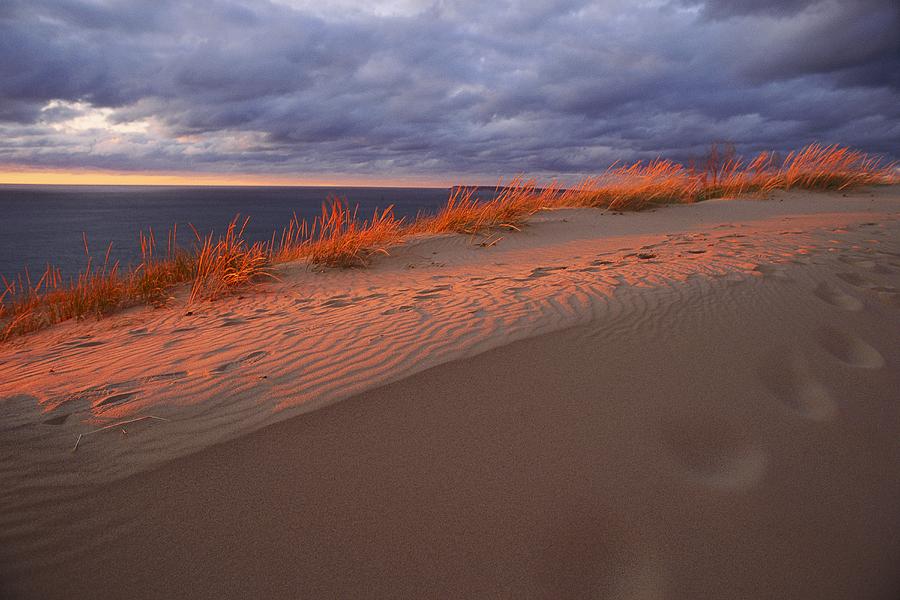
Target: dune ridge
338	238
804	286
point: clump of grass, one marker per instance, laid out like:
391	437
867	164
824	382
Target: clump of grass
338	238
227	263
816	167
96	291
633	187
819	167
509	209
35	306
153	278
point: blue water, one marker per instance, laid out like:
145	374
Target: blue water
44	224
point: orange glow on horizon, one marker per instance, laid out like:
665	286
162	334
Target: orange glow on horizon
54	177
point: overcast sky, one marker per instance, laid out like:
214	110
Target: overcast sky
463	91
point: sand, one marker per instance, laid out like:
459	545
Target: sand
699	401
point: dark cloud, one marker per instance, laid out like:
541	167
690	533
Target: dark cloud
777	9
857	42
723	9
457	89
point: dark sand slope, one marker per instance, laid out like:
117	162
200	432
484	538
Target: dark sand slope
712	438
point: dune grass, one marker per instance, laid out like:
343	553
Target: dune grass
227	262
465	213
338	238
97	290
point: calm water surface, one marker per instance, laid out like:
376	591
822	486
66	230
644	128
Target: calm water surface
41	224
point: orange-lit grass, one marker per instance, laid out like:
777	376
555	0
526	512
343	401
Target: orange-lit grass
227	263
816	167
635	186
829	168
96	290
465	213
338	238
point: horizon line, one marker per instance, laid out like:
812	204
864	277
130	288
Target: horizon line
162	179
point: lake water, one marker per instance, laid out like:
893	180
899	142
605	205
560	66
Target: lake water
41	224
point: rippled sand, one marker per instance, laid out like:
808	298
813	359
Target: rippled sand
694	402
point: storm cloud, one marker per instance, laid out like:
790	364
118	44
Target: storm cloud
465	90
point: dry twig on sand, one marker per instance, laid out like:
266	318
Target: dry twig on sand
118	424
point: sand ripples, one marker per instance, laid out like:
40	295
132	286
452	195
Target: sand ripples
217	371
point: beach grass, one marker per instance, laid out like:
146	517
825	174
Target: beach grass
227	262
216	265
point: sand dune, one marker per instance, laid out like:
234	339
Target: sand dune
694	402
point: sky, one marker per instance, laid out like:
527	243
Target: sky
431	92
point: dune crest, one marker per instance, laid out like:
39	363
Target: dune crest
697	341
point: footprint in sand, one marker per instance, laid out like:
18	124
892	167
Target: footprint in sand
849	349
854	261
83	342
772	272
833	295
715	456
430	293
247	359
486	282
337	302
855	279
734	278
166	376
232	321
58	420
544	271
787	377
88	344
393	311
116	398
423	297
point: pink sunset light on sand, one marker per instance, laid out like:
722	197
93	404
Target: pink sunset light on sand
402	299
